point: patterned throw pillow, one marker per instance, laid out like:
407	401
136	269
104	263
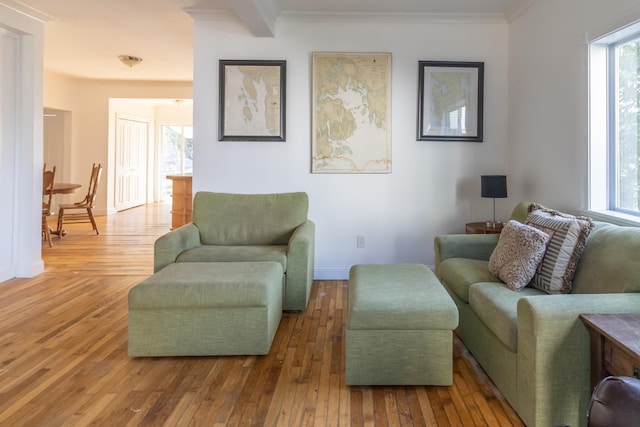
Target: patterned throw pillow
568	237
516	257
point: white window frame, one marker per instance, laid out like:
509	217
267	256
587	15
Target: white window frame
601	134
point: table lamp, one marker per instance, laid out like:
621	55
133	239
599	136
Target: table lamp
493	186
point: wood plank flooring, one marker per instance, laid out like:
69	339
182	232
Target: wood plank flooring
63	355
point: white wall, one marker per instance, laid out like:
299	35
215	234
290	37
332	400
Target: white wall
434	187
21	142
548	97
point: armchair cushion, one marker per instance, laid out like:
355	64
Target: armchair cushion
496	306
461	273
211	253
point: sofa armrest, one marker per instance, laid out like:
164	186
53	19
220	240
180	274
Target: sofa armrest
167	247
300	265
554	354
473	246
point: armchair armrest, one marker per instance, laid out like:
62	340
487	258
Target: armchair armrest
300	266
169	246
473	246
554	354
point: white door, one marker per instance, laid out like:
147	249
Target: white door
131	162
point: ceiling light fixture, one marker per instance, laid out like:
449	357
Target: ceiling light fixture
130	61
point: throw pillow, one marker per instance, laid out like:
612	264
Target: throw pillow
516	257
568	237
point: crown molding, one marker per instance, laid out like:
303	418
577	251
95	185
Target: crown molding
371	17
210	14
24	9
516	10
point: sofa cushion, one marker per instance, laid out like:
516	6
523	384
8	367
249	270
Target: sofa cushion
211	253
248	219
497	307
517	254
568	237
460	273
610	262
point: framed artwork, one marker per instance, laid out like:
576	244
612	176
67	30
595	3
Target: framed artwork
351	113
252	100
450	101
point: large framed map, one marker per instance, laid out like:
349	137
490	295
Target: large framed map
351	113
450	101
252	100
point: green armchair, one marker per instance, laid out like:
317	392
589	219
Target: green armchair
248	228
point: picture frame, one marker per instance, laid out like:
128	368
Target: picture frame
351	112
450	101
252	102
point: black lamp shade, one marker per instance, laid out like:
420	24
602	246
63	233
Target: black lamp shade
494	186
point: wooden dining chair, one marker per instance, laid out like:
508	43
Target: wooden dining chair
83	208
48	178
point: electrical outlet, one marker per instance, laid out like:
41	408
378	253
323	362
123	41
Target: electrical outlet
360	241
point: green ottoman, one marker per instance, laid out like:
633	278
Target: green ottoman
200	308
400	324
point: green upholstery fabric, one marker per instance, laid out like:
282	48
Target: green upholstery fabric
472	246
521	211
195	309
398	296
495	358
610	261
168	247
248	219
554	355
496	306
464	272
399	326
533	346
248	227
211	253
407	357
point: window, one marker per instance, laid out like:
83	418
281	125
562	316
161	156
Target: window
177	154
625	119
614	172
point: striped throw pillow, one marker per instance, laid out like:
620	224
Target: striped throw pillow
567	239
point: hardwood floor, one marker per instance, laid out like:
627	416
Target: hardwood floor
63	355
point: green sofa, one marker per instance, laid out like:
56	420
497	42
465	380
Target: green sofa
531	344
248	228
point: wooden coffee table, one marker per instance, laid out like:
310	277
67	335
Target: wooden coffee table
615	345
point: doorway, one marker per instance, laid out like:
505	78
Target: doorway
131	154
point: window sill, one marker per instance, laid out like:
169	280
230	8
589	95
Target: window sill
613	217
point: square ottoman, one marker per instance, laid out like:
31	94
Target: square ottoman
399	330
201	308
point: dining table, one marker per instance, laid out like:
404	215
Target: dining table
65	187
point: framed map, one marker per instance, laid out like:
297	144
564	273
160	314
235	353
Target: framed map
450	101
252	100
351	113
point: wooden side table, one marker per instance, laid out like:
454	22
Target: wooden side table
615	345
483	228
182	204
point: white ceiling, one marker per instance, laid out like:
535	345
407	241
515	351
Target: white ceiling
84	38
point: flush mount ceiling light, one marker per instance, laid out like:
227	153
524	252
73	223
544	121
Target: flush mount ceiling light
130	61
